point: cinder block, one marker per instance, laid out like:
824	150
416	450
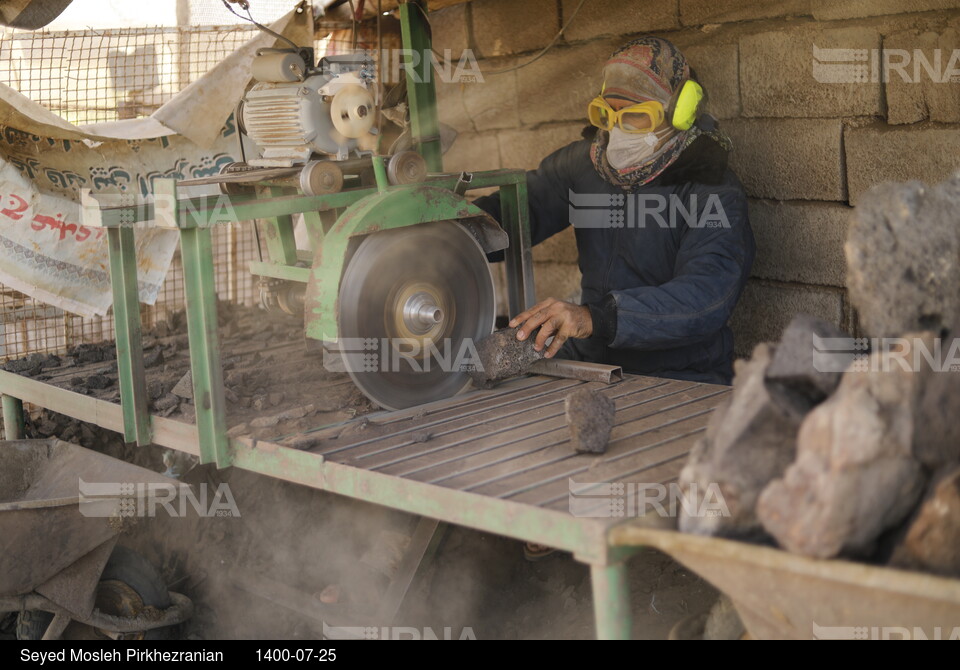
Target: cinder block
504	27
879	153
699	12
612	17
557	280
526	148
450	106
561	248
473	152
800	241
449	29
559	86
914	92
488	103
829	10
788	159
765	310
779	77
718	70
491	102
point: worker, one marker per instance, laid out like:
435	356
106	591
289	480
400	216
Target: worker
663	239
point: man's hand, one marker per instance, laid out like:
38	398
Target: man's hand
561	319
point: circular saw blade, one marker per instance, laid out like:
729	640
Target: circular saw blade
413	302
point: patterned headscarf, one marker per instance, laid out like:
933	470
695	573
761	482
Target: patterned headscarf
648	68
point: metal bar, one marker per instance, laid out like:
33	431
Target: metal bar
611	601
278	271
380	173
421	94
196	250
12	417
281	246
423	544
206	210
317	224
524	522
582	370
521	292
126	320
166	432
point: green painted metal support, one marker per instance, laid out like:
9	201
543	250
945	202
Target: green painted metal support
421	93
611	601
317	225
126	320
380	173
196	249
278	234
277	271
211	210
12	418
519	259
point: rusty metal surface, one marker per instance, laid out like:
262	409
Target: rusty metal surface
75	588
513	443
43	529
786	596
582	370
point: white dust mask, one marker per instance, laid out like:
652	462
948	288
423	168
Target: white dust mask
627	149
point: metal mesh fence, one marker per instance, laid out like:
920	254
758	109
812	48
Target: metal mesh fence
104	75
29	326
89	76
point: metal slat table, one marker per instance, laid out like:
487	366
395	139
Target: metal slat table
496	460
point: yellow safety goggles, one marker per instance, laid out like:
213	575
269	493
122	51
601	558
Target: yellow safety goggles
644	117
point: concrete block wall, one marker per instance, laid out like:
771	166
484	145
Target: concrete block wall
809	138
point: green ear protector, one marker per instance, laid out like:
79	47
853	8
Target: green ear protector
688	103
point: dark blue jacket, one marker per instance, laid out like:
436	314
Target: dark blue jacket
663	266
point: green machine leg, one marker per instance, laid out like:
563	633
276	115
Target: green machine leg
12	418
424	122
278	234
126	319
196	249
519	258
611	601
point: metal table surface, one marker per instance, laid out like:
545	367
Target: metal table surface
496	460
513	443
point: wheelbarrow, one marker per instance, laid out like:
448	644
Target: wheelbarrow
785	596
62	509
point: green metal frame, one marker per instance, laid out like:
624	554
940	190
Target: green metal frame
587	538
392	208
12	417
126	318
332	222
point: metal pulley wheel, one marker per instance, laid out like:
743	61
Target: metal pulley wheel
406	167
321	178
352	111
413	302
228	188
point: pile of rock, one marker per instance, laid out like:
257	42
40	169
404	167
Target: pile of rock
835	446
